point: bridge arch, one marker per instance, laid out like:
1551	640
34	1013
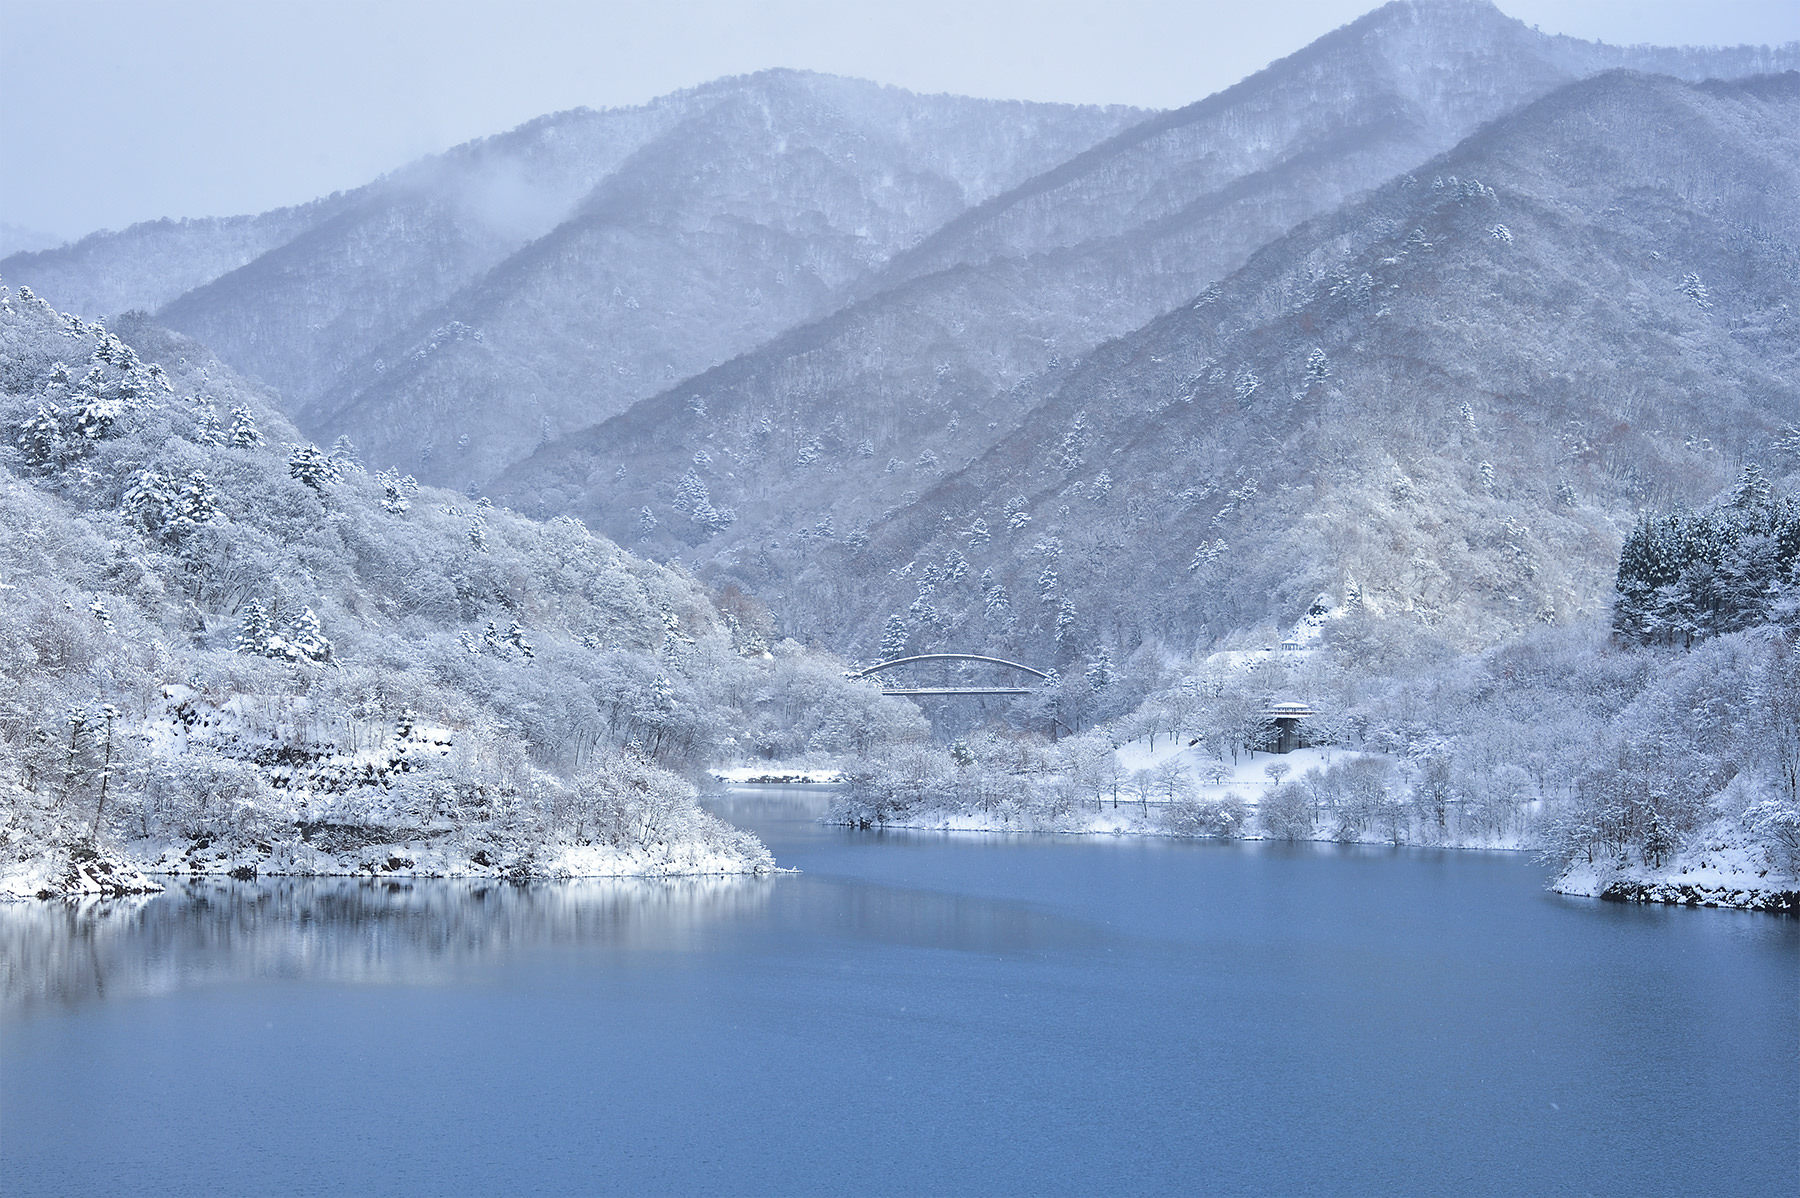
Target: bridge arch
880	666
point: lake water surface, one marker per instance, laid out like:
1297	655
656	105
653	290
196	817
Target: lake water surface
912	1013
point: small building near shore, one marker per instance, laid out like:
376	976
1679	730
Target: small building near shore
1288	734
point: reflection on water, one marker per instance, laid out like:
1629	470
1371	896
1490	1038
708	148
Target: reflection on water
340	929
427	932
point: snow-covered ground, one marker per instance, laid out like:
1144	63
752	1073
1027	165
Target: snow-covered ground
139	866
1248	776
1721	868
777	774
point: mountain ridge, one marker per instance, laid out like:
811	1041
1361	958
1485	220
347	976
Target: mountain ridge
896	373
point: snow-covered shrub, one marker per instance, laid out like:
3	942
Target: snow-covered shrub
1286	813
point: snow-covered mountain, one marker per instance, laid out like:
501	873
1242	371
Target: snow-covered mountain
454	315
784	319
1448	399
753	469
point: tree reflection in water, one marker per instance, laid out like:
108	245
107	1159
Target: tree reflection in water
340	930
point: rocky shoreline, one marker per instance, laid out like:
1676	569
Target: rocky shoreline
1684	885
85	871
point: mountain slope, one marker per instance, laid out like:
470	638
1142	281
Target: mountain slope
307	286
750	215
1444	403
835	424
450	316
149	264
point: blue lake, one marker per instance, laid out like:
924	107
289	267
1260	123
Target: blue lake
912	1013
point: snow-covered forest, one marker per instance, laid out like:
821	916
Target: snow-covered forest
227	649
1626	767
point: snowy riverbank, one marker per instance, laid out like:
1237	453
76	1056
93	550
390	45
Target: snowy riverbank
1168	789
145	866
1722	868
1316	794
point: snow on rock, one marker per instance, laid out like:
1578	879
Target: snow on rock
1721	868
74	871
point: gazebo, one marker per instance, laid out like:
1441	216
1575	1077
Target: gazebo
1287	716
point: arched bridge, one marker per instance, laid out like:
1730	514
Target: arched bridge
897	662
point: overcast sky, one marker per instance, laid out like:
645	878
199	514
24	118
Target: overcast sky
116	111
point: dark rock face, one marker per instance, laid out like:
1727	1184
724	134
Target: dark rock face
1686	894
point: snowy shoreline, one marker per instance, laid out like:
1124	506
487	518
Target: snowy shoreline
1745	890
1724	866
1741	889
85	872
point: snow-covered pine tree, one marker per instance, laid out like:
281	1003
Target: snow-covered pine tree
395	492
244	433
1752	490
306	639
256	631
313	467
1075	442
994	603
209	430
894	638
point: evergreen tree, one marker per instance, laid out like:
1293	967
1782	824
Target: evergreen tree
306	639
256	631
1752	489
395	492
313	467
244	433
1075	442
208	429
894	638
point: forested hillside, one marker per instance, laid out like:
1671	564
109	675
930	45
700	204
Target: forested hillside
225	648
1445	403
810	440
